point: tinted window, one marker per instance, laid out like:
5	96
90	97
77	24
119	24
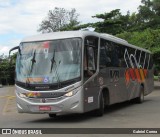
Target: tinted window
147	61
108	54
137	55
141	63
127	57
90	56
114	55
111	54
151	62
121	51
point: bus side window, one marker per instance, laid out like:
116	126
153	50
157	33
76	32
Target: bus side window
151	62
146	64
114	56
90	56
105	60
121	51
91	59
142	59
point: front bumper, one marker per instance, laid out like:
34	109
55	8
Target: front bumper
73	104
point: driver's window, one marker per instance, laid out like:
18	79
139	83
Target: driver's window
91	59
90	56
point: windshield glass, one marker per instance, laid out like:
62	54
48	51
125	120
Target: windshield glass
49	62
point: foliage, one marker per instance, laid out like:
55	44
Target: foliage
7	70
148	39
149	14
59	19
141	29
111	22
114	22
156	78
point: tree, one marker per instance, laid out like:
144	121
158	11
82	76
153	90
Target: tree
148	39
149	14
111	22
7	69
59	19
114	22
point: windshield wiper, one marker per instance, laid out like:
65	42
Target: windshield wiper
52	63
33	61
19	50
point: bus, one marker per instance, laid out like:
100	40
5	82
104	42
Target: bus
79	71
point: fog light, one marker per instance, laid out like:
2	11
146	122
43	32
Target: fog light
22	95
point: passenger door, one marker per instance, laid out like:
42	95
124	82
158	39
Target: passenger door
89	70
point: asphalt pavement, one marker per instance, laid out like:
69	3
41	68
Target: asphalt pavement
122	115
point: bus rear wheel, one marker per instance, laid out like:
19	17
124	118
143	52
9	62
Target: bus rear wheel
100	111
140	99
52	115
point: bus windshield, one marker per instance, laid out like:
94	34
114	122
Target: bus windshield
49	62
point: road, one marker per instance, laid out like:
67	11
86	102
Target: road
123	115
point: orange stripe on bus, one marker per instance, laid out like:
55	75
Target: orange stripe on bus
34	79
138	75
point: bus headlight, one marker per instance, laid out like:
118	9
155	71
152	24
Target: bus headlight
70	93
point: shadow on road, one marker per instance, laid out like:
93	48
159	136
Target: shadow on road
73	118
156	87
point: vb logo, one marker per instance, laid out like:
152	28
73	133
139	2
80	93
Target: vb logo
114	75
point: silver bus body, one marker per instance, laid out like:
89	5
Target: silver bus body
117	83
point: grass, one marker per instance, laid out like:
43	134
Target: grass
156	78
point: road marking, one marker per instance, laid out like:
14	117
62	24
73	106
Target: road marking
5	107
7	96
9	106
10	103
10	97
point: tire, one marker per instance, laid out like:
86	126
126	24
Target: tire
100	111
52	115
140	99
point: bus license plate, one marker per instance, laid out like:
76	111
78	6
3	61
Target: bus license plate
44	108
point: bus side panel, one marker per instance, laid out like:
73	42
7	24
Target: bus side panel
135	78
91	93
113	80
149	82
116	83
132	82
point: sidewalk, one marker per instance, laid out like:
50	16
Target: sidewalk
157	83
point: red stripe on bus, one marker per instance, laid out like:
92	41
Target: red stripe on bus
145	72
127	76
132	74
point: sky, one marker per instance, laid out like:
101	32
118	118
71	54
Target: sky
21	18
